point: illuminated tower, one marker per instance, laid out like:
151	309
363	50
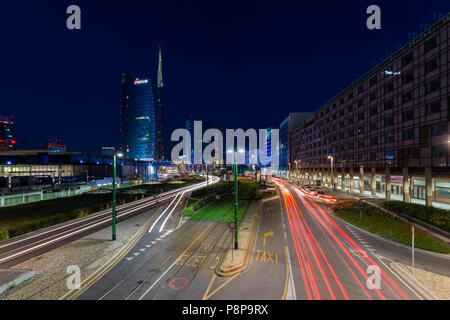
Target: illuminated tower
160	111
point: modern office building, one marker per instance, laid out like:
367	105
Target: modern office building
138	128
26	167
289	123
54	146
387	134
7	140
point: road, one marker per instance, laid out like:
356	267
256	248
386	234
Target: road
24	247
301	252
304	252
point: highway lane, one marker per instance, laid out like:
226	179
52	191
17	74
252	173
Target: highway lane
268	274
333	262
32	244
168	262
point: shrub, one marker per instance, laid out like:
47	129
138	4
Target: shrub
435	216
188	211
4	234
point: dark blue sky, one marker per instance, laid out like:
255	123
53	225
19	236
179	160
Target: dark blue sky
234	63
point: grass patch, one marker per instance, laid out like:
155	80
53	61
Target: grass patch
378	222
222	209
437	217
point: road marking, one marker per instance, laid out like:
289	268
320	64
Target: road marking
171	266
148	245
173	209
290	294
267	234
285	235
153	242
167	208
206	296
136	253
142	249
130	258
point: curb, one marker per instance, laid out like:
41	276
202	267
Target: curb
235	269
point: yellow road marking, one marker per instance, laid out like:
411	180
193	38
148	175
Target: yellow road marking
267	234
206	296
287	275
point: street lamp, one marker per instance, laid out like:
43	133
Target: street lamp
120	155
332	174
296	170
235	197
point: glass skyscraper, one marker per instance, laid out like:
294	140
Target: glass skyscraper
7	140
138	118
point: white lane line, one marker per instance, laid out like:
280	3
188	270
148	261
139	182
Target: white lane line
150	230
173	209
157	239
285	236
153	242
148	245
290	295
130	258
142	249
136	253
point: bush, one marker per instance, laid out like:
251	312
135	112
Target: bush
437	217
188	211
4	234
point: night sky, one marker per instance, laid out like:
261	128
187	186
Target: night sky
237	64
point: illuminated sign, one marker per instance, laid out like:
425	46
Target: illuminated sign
137	81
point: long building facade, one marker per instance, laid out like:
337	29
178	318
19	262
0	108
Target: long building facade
388	132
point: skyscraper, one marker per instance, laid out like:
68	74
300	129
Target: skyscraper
138	128
159	103
7	140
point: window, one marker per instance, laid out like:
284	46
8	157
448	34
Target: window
360	102
432	86
361	157
439	150
373	111
433	107
408	115
373	156
351	133
373	81
389	104
389	121
414	153
439	129
373	126
431	44
360	89
373	96
350	108
361	116
341	101
407	59
408	77
350	96
361	144
408	96
389	138
432	64
374	141
389	155
408	134
350	120
360	130
388	88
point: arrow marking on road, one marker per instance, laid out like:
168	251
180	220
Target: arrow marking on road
267	234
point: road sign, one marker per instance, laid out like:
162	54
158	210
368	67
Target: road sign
231	225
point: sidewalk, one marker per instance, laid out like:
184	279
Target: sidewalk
236	261
89	253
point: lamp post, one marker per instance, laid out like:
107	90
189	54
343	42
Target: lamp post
235	198
296	170
114	194
332	174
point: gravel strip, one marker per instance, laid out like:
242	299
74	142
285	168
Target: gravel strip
89	253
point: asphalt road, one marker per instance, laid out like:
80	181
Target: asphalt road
303	252
169	261
24	247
